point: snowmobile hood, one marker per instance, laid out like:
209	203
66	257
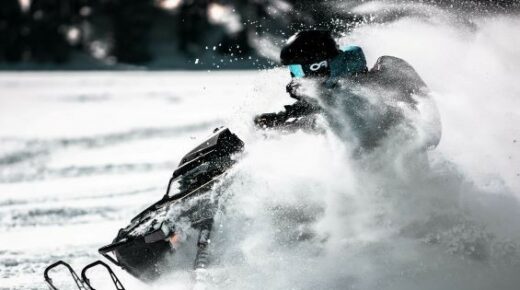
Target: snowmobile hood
143	247
221	143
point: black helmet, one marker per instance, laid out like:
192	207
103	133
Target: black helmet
309	46
310	51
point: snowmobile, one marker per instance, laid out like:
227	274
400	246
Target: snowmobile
146	246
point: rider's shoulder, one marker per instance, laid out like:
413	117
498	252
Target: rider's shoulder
395	70
351	60
351	48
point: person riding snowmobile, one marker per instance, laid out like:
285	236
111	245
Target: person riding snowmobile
343	81
311	54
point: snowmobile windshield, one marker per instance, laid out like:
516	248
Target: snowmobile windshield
173	188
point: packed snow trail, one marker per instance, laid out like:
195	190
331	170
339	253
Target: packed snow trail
82	153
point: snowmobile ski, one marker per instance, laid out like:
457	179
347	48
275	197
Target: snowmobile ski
82	283
115	280
79	283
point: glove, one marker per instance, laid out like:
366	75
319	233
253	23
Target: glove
292	89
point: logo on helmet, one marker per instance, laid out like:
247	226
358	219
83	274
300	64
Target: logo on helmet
319	65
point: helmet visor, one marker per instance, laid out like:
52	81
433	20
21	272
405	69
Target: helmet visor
296	71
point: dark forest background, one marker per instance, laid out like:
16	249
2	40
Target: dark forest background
174	33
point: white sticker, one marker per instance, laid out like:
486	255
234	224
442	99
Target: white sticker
318	65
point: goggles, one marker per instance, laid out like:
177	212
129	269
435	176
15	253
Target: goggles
318	69
296	70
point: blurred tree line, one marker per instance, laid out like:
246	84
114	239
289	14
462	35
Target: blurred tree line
130	31
126	31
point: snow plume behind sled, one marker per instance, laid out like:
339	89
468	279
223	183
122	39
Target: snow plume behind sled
305	215
314	218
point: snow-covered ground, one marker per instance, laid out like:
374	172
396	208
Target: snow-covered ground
82	153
